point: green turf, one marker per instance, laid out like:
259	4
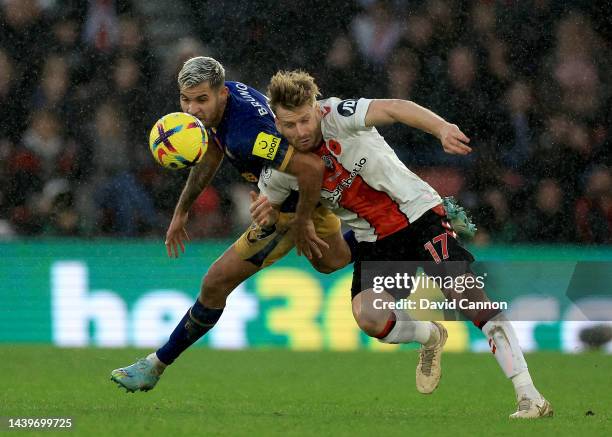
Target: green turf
298	393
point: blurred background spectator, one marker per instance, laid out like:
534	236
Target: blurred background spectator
82	81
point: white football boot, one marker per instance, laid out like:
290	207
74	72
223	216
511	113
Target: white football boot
532	409
429	369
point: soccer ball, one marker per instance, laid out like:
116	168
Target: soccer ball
178	140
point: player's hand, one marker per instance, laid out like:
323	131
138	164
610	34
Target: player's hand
306	240
176	236
262	211
453	140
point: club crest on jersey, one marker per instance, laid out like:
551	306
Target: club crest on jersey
328	162
266	145
346	108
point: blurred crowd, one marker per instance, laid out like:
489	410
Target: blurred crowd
528	81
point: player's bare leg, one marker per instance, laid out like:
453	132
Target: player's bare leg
221	279
374	317
226	273
335	257
507	351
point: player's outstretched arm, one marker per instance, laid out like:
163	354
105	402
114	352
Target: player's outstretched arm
308	169
389	111
199	178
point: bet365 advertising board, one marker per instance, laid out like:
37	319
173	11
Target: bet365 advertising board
115	294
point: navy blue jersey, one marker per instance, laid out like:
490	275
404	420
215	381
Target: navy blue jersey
248	135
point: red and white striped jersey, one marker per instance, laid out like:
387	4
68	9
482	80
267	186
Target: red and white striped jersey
365	184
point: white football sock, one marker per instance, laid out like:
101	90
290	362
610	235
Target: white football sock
523	386
157	364
509	356
407	330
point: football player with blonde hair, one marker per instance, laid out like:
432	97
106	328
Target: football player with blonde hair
396	217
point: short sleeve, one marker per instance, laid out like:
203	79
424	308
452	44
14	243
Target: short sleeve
350	114
275	185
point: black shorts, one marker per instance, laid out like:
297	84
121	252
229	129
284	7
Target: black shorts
429	242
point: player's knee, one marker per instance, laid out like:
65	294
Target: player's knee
331	264
326	267
371	323
214	290
370	326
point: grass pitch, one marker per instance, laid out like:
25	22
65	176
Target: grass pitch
278	392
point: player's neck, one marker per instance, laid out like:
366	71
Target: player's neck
222	108
319	136
318	139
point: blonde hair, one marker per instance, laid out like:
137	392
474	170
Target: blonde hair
292	89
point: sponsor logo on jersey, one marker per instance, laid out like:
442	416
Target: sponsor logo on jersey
266	145
332	190
346	108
